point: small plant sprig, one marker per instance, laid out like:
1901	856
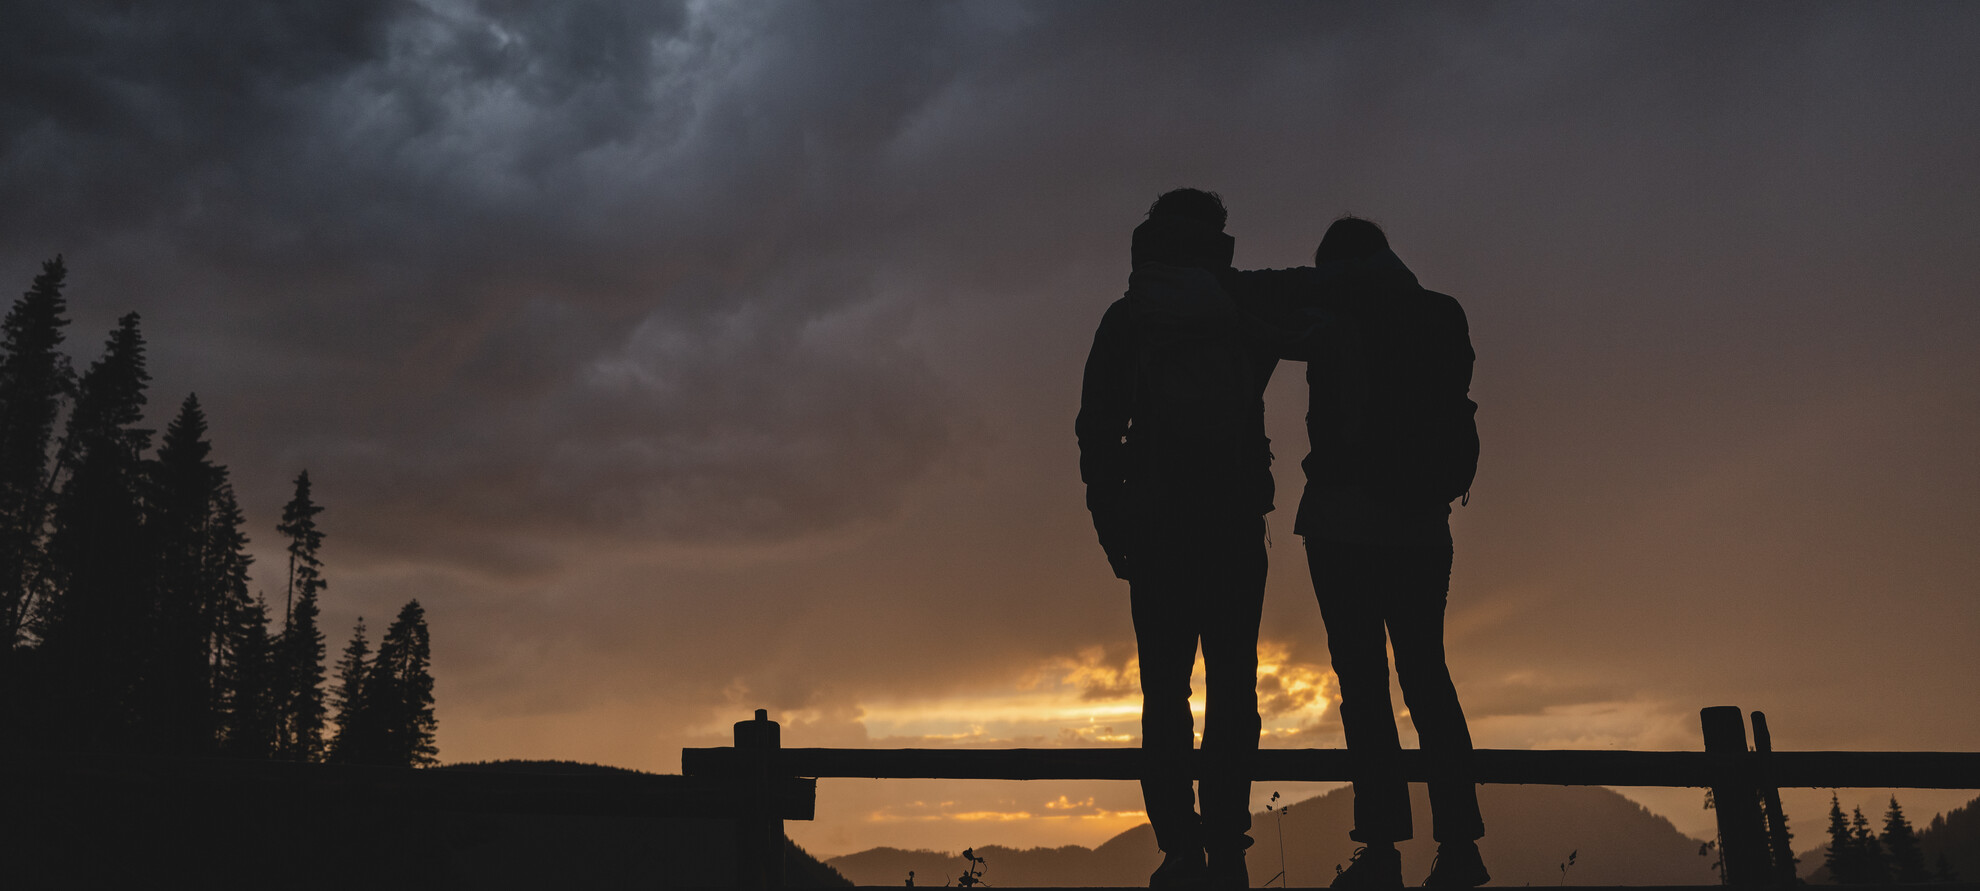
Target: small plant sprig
1567	863
1280	813
973	875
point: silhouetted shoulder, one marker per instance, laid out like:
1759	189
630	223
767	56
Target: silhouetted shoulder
1117	313
1445	308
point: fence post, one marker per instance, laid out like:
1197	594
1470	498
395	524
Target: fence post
760	831
1770	799
1742	838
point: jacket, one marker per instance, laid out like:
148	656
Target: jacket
1391	427
1139	457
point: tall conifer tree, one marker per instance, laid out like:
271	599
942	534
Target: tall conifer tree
242	693
254	715
35	378
302	675
93	622
400	689
189	565
348	696
299	526
301	643
1838	859
1870	863
1907	860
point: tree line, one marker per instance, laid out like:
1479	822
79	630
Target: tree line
124	583
1859	856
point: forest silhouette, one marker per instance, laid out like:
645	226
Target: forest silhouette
125	586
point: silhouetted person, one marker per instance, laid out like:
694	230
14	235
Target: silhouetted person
1393	443
1178	475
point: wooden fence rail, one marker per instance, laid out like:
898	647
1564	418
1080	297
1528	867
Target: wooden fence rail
1745	781
1552	767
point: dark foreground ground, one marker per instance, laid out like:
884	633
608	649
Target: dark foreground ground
85	822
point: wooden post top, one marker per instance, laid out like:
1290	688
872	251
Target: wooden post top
759	732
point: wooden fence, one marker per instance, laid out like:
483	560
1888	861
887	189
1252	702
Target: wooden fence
1745	781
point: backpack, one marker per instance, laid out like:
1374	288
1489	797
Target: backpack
1402	423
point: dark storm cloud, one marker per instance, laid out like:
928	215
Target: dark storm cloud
546	270
654	269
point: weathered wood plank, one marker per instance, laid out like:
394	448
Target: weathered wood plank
1563	767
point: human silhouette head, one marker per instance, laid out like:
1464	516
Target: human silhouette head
1350	238
1190	204
1185	227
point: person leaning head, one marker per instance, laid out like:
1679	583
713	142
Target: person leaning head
1350	238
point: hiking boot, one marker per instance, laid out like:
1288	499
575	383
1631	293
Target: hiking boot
1458	866
1226	871
1179	869
1373	866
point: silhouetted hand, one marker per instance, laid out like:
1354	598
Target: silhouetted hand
1112	525
1119	561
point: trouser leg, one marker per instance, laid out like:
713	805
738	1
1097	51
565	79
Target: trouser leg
1345	581
1416	629
1230	664
1166	644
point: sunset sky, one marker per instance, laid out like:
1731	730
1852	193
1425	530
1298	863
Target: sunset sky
685	359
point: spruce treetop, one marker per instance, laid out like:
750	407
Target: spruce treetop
110	399
33	328
299	526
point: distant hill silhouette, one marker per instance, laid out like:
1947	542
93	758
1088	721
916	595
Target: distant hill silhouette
1530	830
1955	834
117	823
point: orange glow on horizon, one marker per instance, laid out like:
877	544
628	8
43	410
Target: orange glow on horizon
1088	699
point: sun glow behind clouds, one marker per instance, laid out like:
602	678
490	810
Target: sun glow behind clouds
1091	698
1088	698
1006	810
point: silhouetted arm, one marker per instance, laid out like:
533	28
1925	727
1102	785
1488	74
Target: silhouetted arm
1284	308
1463	411
1105	402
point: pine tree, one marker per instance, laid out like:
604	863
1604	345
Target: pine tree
348	695
400	690
253	715
301	658
35	379
183	534
299	526
1906	859
1782	848
1839	860
301	644
93	621
1873	869
242	693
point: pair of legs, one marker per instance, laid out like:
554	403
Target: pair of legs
1199	582
1372	594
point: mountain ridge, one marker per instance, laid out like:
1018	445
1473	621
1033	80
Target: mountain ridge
1530	831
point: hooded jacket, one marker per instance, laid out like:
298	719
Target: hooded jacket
1389	417
1150	444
